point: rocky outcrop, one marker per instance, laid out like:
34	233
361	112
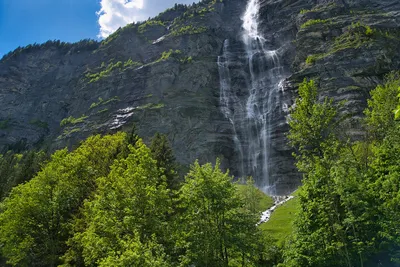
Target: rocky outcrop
162	75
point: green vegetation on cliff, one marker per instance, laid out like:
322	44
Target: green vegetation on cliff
149	23
71	120
311	22
4	124
356	36
94	77
102	102
188	29
170	54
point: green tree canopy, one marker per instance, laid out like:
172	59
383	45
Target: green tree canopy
350	196
127	212
34	219
215	227
162	152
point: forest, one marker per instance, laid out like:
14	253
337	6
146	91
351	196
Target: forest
115	201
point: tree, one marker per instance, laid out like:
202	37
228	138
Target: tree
311	125
18	168
163	154
125	219
383	124
349	199
35	217
215	228
383	102
332	225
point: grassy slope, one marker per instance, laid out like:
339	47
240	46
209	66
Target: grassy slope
279	227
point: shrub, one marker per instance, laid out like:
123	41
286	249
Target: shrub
310	22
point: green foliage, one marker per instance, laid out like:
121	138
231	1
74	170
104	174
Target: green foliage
348	204
114	36
311	124
63	47
4	124
195	12
121	66
311	22
175	54
187	60
255	200
109	203
177	8
69	131
35	218
188	29
304	11
319	8
132	202
368	31
39	123
151	106
72	121
385	193
379	114
215	229
356	36
149	23
311	59
168	54
130	63
103	102
18	168
162	152
102	111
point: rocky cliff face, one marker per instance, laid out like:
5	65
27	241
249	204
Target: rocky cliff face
163	76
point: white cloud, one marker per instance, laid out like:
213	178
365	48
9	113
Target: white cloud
118	13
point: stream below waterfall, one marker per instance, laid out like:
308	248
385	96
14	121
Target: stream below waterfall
279	200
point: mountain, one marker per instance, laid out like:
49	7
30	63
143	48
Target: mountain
217	77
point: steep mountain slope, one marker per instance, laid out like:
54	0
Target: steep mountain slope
163	76
169	85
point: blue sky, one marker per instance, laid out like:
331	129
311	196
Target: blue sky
24	22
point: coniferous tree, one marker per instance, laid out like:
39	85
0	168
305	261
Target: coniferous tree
16	168
163	154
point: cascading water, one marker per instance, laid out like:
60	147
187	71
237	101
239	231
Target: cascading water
251	114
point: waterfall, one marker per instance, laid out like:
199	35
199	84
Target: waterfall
251	114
